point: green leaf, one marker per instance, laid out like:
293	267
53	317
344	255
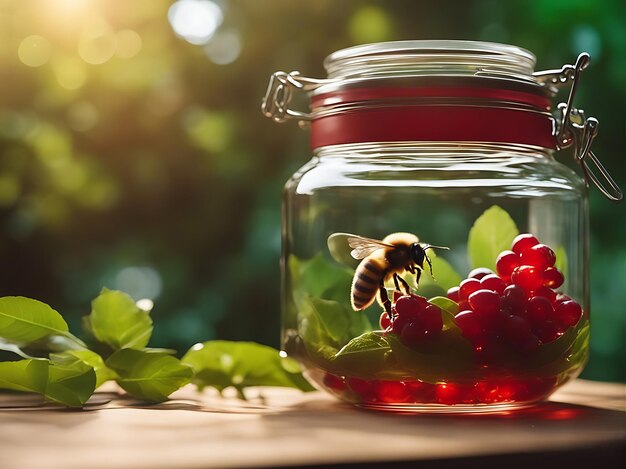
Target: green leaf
492	233
448	357
568	351
167	351
332	317
23	320
444	274
329	322
91	359
551	351
561	260
579	351
13	348
445	304
364	355
449	309
60	380
116	321
24	375
149	376
321	296
70	381
221	364
316	275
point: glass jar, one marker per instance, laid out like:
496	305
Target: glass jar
435	254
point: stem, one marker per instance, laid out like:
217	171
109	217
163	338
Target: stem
75	340
240	393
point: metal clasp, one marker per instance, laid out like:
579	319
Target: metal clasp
573	128
275	104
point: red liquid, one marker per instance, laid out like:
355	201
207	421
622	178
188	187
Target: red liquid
488	391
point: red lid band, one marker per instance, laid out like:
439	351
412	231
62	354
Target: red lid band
435	124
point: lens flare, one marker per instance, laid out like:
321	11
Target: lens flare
195	20
34	51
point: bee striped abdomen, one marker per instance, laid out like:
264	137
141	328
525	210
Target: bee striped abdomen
367	282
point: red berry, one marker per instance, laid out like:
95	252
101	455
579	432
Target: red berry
552	277
408	305
540	387
464	305
488	350
422	301
506	262
485	302
527	277
560	298
412	333
467	287
539	309
494	283
453	294
514	298
501	390
391	391
514	295
360	386
447	393
523	242
493	323
336	383
384	321
479	273
430	319
568	313
540	256
487	391
420	391
516	330
510	390
400	322
531	344
470	324
546	293
548	331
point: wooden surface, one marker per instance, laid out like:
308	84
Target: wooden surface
585	419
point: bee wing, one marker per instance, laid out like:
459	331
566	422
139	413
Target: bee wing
346	247
340	249
363	247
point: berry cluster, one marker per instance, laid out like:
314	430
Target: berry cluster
414	319
517	307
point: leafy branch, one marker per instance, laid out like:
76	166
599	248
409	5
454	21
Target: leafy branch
62	369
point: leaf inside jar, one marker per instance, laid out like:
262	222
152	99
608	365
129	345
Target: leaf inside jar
365	355
492	233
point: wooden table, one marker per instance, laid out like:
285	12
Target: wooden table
583	426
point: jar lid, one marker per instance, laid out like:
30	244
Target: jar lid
431	91
453	91
431	57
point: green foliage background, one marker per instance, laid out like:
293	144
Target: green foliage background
157	174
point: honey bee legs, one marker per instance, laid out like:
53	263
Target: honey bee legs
418	274
412	268
430	265
384	298
396	279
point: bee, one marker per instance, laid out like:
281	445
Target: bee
381	260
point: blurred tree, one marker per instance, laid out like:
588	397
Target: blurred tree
133	154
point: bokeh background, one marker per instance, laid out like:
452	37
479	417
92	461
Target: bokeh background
133	153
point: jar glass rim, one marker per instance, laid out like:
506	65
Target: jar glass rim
430	57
